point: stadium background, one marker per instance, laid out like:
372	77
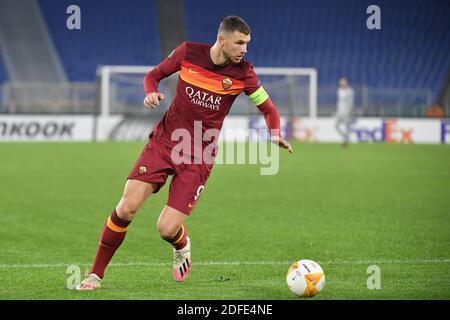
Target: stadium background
384	204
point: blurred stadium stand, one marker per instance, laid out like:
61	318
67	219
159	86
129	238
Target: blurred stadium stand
3	73
26	44
3	79
401	67
412	49
112	32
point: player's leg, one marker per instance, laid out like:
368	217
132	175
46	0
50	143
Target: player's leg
338	123
135	193
185	189
115	229
147	176
347	123
343	132
171	228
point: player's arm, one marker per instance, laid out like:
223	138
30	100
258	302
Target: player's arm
261	99
168	66
272	118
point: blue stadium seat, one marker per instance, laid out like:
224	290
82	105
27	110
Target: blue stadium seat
3	73
410	51
112	32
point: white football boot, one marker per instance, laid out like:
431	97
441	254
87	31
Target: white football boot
91	282
182	262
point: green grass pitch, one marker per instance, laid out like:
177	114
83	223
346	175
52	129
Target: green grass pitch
348	209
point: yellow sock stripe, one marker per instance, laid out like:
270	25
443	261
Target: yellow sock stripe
114	227
183	231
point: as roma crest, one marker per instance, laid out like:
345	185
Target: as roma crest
226	83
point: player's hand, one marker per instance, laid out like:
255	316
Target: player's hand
152	99
282	143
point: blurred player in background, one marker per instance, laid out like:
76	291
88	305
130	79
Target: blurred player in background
211	77
345	104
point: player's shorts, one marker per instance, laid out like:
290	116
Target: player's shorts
188	181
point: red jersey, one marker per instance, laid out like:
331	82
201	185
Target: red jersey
205	92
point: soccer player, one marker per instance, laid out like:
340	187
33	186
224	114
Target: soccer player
345	103
210	79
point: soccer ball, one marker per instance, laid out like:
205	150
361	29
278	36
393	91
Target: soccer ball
305	278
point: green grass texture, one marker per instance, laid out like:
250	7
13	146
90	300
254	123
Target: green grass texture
382	205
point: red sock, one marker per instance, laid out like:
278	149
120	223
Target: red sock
113	233
180	239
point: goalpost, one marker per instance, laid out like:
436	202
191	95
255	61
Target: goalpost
293	90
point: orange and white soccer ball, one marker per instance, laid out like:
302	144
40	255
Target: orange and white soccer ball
305	278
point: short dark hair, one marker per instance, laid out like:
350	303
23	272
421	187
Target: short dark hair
234	23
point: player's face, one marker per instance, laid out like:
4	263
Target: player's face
235	46
343	83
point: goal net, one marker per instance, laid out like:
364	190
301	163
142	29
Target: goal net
293	91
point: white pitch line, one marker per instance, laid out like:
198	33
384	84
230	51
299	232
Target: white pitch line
233	263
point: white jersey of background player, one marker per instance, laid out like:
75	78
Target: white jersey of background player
345	103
